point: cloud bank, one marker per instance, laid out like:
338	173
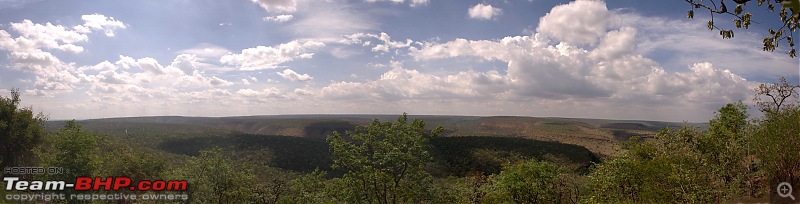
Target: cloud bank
583	60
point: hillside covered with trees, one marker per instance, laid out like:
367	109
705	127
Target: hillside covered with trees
734	156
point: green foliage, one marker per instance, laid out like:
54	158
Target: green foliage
120	159
725	148
660	170
730	121
311	188
478	186
775	139
385	161
215	179
391	162
20	131
528	182
687	165
270	185
742	19
776	143
73	149
683	165
454	190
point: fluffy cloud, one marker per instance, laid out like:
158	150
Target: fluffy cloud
130	83
407	84
41	36
130	78
412	3
579	22
29	51
279	18
35	38
35	61
535	68
150	65
488	50
608	73
592	63
267	92
277	5
148	73
294	76
611	70
483	12
705	84
263	57
385	44
53	80
99	22
389	44
187	63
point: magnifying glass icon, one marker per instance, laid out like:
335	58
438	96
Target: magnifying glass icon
785	190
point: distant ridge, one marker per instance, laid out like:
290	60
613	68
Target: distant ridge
601	136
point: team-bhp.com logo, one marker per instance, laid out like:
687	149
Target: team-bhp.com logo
86	183
86	188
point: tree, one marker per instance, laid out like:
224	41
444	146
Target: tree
531	182
310	188
742	19
384	161
731	120
725	148
72	149
777	145
776	94
684	165
20	131
664	169
478	185
214	179
121	159
776	137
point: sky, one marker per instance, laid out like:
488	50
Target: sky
638	60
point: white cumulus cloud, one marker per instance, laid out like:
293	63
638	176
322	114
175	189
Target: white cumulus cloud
277	5
412	3
579	22
279	18
30	51
385	45
265	57
100	22
294	76
483	12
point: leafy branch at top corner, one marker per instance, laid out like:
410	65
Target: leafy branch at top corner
742	19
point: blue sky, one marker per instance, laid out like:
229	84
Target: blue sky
590	59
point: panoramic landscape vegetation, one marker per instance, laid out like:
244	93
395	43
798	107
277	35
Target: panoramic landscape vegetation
295	101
